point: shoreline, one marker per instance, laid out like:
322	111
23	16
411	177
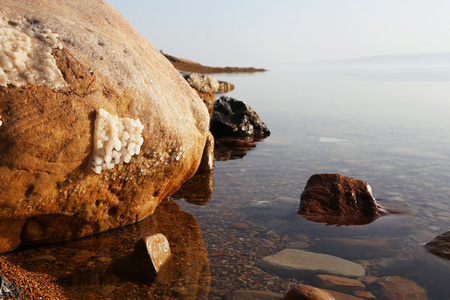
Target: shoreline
186	65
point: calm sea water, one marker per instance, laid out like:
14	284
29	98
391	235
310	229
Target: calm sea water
386	127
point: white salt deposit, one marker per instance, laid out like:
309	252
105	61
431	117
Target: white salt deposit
26	55
116	140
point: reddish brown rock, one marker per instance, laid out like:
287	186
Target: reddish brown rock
339	284
440	245
337	199
48	192
365	295
342	296
397	288
307	292
151	255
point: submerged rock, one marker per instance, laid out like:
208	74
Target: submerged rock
337	199
396	287
302	264
74	59
440	245
307	292
150	257
234	118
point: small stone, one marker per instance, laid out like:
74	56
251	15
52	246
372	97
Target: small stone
365	295
104	259
151	256
82	256
44	257
339	284
307	292
342	296
241	226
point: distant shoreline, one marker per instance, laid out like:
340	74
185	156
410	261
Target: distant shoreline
182	64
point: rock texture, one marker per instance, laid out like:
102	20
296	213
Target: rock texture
234	118
48	192
302	264
307	292
337	199
440	245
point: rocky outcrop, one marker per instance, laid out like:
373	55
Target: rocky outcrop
337	199
206	87
190	66
440	245
234	118
75	58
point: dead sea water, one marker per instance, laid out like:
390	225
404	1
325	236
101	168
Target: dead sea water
386	127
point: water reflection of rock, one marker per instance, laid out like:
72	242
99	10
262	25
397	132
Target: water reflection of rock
186	276
197	190
233	148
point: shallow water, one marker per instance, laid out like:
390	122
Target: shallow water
386	127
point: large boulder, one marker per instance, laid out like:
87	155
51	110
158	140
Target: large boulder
338	199
97	126
234	118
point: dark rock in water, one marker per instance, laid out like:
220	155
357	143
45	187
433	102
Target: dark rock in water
8	289
440	245
396	287
337	199
307	292
232	117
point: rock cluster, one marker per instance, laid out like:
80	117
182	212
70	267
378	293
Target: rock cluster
338	199
48	192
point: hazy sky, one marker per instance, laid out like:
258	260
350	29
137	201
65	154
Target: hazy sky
262	33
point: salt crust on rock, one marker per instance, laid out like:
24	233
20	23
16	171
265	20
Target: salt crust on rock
26	55
116	140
